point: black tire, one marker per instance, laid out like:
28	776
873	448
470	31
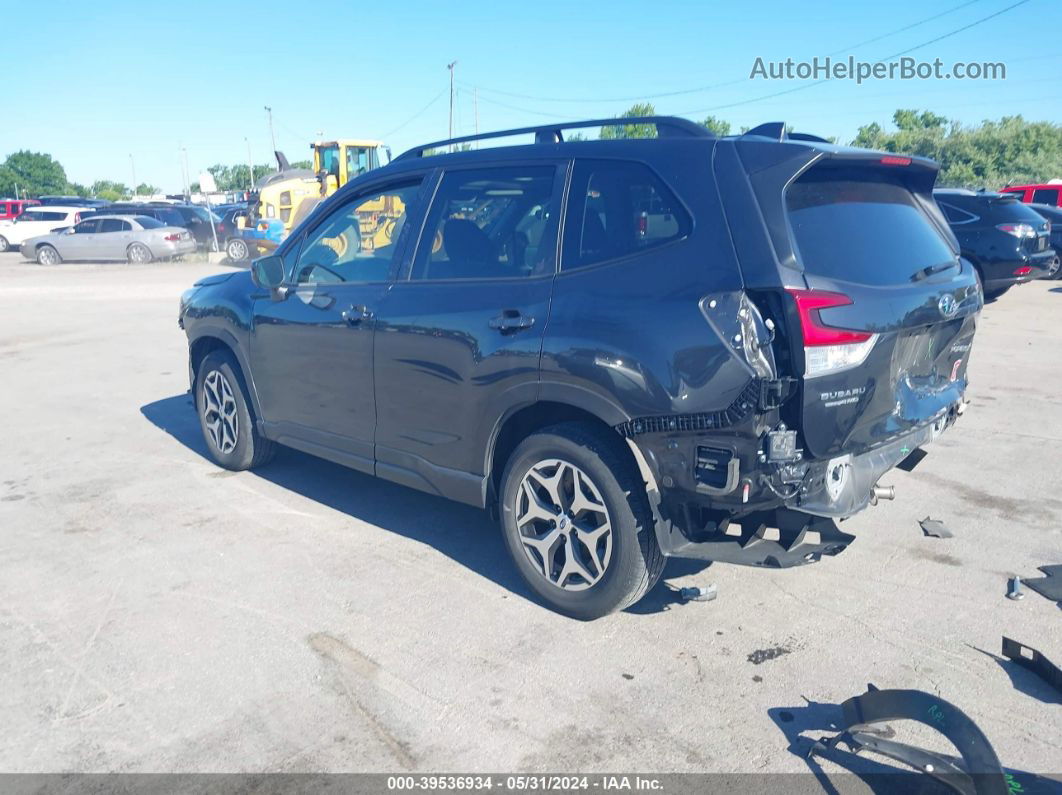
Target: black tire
636	561
3	244
991	296
237	250
139	254
47	255
251	449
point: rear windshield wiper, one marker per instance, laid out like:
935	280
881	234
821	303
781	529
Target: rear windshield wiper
932	270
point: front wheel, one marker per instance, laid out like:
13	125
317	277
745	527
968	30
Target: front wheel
46	255
4	245
224	412
577	521
236	250
138	254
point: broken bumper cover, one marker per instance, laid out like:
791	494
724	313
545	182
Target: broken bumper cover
843	486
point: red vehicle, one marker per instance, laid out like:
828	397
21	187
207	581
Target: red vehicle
10	209
1047	193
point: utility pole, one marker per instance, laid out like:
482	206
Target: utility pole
250	163
184	178
132	164
187	173
475	105
272	137
451	66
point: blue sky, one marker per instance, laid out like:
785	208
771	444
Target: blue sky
96	82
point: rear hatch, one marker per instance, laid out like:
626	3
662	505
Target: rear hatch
874	307
888	310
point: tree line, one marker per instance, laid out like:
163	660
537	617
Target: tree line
990	155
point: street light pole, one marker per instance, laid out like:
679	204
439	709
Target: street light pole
272	137
451	66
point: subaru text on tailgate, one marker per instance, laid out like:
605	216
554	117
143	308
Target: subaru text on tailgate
624	349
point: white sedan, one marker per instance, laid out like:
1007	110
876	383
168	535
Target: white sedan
129	238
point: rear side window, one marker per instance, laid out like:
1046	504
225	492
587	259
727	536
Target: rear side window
861	227
1045	196
955	215
170	217
616	209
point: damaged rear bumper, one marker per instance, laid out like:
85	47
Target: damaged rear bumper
844	485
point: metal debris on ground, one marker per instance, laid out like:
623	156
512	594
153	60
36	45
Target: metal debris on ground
698	594
1050	585
977	771
1028	657
935	528
1014	590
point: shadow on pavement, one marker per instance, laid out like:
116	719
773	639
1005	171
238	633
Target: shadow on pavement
461	532
1024	680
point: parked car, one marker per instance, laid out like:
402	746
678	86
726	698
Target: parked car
1053	215
1044	193
195	219
37	220
721	383
132	238
1004	240
253	240
10	209
74	201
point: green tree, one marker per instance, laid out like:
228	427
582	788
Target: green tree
633	130
110	190
991	154
145	189
717	126
34	173
77	189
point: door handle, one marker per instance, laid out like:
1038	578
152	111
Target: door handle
354	315
510	321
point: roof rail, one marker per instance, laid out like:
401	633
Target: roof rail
666	127
777	131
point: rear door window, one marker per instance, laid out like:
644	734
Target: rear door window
617	209
491	223
113	225
861	227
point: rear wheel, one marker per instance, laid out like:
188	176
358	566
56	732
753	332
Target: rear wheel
577	521
46	255
138	253
3	244
225	415
237	250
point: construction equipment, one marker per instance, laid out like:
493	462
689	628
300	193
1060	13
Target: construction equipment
281	200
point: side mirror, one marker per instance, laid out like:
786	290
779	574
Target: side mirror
268	272
68	231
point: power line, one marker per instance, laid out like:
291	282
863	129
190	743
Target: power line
415	116
723	84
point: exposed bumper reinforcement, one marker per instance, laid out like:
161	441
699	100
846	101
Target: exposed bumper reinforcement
773	539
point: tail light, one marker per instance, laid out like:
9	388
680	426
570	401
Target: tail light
1018	230
1024	270
893	160
174	237
221	229
828	349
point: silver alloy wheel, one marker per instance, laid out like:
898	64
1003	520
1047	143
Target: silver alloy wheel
564	525
219	412
47	256
237	250
3	243
139	254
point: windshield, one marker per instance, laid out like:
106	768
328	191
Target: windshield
846	224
